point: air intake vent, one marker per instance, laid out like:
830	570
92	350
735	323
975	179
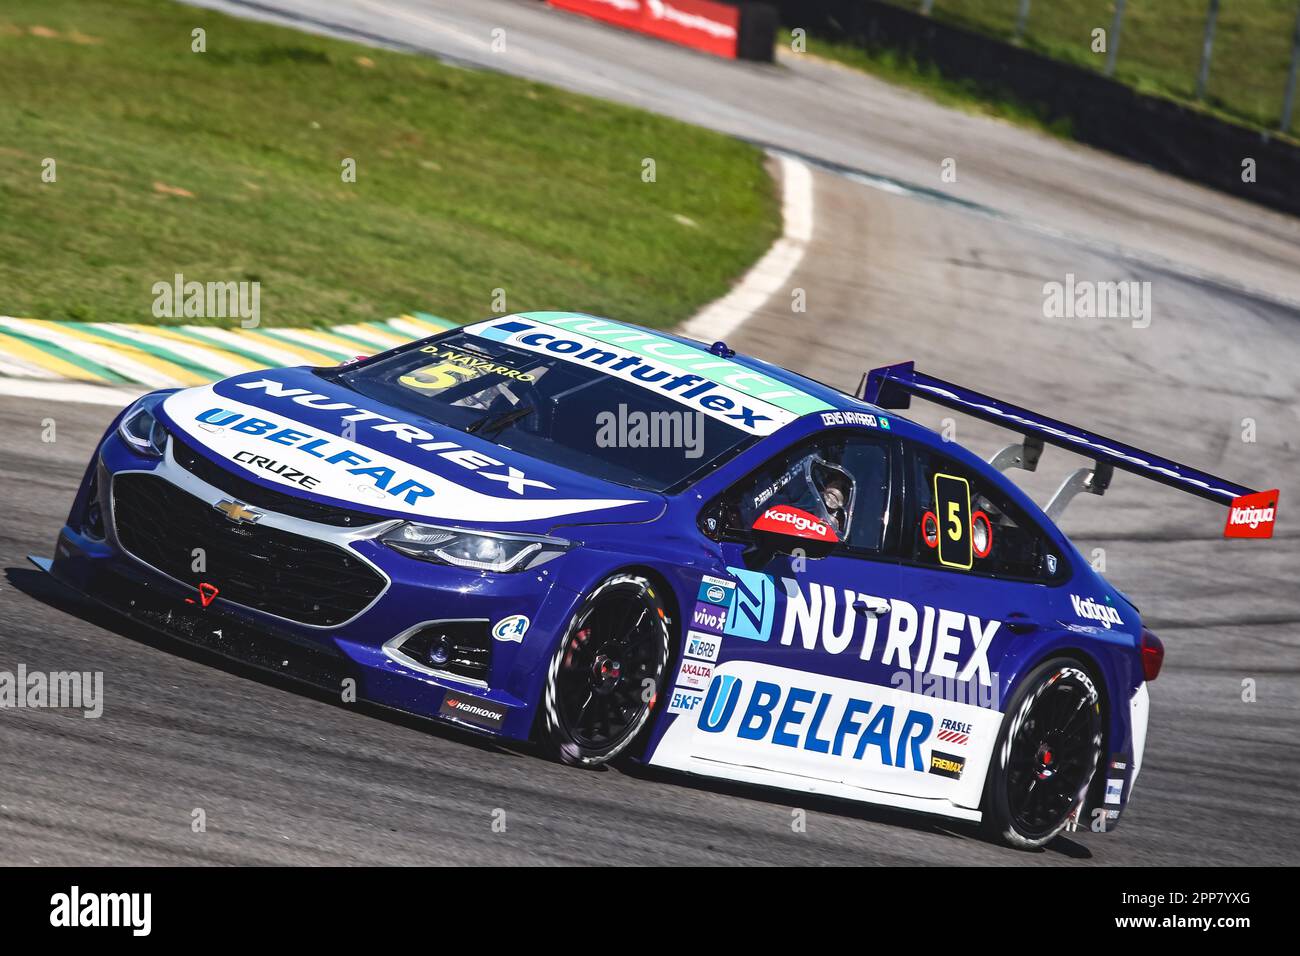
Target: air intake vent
461	648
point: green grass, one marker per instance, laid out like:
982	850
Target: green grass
467	182
1160	45
897	68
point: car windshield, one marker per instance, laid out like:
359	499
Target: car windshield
544	406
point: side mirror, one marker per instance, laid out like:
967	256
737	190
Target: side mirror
783	529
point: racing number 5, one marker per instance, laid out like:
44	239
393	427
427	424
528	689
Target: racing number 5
952	497
954	520
435	378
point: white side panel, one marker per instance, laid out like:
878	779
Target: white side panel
826	788
819	734
1139	711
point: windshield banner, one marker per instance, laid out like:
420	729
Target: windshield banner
719	388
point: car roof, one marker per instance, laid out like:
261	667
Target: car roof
833	397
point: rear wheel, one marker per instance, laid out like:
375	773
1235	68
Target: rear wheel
1046	754
604	679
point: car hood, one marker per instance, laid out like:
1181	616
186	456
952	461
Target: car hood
294	431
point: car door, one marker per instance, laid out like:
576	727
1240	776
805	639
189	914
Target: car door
795	686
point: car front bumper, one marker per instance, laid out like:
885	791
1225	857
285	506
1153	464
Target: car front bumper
367	656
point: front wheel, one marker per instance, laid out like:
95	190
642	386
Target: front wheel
1046	754
604	678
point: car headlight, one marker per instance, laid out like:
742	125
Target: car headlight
479	550
141	430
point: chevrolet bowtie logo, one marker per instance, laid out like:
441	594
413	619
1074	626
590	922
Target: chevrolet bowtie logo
237	512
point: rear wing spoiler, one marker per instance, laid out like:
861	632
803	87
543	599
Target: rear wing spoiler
1252	512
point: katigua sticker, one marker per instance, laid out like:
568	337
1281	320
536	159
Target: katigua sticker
1252	516
786	519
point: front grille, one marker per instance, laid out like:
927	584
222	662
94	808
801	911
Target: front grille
254	494
263	568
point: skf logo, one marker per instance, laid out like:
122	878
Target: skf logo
238	512
1251	516
683	701
947	765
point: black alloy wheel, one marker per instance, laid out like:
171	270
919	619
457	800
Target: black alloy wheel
1046	755
608	673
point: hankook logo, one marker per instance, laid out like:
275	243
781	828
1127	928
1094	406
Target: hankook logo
474	710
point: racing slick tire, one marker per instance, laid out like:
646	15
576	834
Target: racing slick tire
606	675
1046	755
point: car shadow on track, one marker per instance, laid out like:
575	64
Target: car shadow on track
41	587
868	813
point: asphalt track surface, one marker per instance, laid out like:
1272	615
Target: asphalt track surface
285	776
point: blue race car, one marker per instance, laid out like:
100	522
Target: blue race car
622	543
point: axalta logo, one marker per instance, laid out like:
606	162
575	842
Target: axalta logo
814	720
694	674
687	388
1103	614
484	465
1252	516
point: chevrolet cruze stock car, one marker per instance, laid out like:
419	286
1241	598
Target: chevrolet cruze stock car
821	596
